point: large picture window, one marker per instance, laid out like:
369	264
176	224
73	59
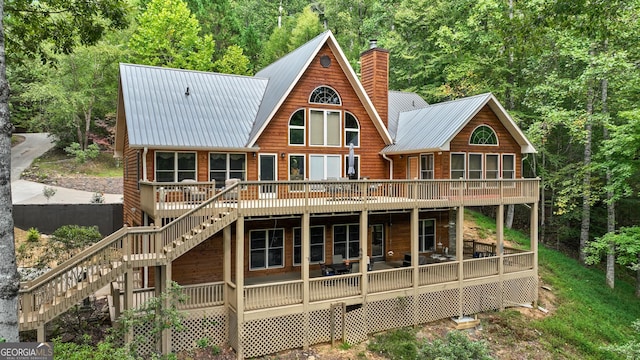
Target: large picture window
324	128
346	241
351	130
426	166
324	167
316	245
266	249
427	235
175	166
224	166
296	128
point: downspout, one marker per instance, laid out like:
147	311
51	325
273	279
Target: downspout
384	156
144	163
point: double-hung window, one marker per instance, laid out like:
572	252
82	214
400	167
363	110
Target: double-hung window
175	166
224	166
324	128
509	168
316	245
266	249
458	166
427	235
346	240
426	166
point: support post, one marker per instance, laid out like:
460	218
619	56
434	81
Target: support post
226	263
41	335
534	248
163	274
128	299
240	285
415	259
460	256
306	254
500	251
364	249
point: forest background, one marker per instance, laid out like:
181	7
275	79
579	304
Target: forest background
568	71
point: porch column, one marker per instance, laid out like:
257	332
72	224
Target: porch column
534	248
226	263
500	251
415	260
163	283
240	285
364	249
460	256
128	300
306	254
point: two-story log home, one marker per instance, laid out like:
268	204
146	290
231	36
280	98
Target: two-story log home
304	204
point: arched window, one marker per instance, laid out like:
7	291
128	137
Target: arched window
483	135
324	95
296	128
351	130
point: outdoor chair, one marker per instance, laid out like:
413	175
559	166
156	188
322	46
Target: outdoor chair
193	193
233	194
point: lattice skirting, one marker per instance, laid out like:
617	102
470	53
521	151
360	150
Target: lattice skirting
519	291
438	305
270	335
212	324
390	314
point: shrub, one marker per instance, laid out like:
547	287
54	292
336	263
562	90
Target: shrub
630	350
33	235
91	152
396	344
455	346
97	198
73	351
69	239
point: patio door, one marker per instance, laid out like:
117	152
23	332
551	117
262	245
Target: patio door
413	172
377	242
268	169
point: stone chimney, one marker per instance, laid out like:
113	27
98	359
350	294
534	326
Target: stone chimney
374	75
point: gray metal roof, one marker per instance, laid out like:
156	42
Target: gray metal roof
219	111
433	127
283	75
400	102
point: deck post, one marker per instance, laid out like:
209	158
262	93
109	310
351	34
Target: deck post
500	251
415	260
534	248
128	300
163	283
460	256
240	285
226	263
306	253
41	335
364	251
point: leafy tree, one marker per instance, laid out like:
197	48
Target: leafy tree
168	35
26	27
233	62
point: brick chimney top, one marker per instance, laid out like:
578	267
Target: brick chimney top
374	75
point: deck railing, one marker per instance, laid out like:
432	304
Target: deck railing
203	295
259	198
475	268
272	295
438	273
390	279
334	287
518	262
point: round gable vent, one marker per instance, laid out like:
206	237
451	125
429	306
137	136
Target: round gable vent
325	61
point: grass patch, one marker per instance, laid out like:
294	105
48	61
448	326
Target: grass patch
589	315
57	162
396	344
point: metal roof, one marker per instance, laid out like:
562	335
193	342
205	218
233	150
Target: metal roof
401	102
283	75
218	112
433	127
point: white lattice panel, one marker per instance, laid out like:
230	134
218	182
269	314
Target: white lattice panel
320	326
356	329
144	332
481	298
270	335
233	329
519	291
389	314
438	305
211	324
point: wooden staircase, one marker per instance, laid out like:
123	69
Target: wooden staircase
53	293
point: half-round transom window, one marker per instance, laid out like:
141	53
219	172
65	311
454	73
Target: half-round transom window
324	95
483	135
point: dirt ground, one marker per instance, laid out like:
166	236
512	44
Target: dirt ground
507	335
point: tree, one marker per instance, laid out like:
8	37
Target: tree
26	27
233	62
168	35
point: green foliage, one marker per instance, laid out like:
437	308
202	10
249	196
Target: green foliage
629	350
396	344
160	312
66	241
48	192
455	346
168	35
103	351
81	155
344	346
33	235
233	62
627	247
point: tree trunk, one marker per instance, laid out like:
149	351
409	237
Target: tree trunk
9	279
508	220
611	205
586	180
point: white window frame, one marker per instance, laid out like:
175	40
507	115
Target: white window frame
351	130
348	255
423	171
502	170
176	171
266	249
464	166
298	127
497	171
325	131
494	133
311	245
325	167
422	238
328	87
227	171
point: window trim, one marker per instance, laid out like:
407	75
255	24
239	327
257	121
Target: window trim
325	128
175	163
324	245
227	166
266	249
421	243
433	167
324	156
464	166
490	128
298	127
319	103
